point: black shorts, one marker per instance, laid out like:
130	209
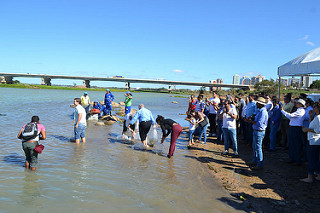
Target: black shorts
125	128
144	128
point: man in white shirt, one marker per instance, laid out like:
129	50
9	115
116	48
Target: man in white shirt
80	123
295	134
213	105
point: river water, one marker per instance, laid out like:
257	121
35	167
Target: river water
103	175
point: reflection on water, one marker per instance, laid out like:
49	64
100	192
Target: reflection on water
103	175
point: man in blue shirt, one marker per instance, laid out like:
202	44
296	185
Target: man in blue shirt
259	127
250	112
108	98
145	121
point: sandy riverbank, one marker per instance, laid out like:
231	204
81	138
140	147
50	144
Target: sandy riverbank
275	189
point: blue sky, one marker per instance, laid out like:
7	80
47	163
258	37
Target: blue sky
197	40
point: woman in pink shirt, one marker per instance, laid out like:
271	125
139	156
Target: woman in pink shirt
29	145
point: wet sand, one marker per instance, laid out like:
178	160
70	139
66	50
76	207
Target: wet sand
276	188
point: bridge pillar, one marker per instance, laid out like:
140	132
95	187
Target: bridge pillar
170	89
127	86
7	79
86	83
46	81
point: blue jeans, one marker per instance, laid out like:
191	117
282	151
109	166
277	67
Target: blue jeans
127	109
257	137
203	131
219	136
79	132
230	135
190	134
273	135
249	133
313	159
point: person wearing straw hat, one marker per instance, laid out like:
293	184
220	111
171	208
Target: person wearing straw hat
295	134
259	125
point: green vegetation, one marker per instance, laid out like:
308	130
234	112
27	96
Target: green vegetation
152	90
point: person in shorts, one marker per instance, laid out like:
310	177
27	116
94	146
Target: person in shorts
80	123
29	145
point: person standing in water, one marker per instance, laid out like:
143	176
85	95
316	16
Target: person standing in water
145	121
169	126
29	145
128	102
80	123
108	98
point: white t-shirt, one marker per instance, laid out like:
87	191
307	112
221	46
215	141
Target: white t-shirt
314	139
77	110
192	126
228	122
212	110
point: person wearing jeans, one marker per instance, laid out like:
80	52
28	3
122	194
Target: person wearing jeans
259	127
229	128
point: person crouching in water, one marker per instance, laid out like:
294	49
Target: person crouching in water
126	127
29	145
169	126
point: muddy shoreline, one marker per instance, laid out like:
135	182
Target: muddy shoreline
276	188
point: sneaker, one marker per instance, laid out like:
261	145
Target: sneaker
252	164
203	142
236	154
225	152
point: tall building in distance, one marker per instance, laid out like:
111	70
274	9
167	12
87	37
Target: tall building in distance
236	79
257	79
245	80
213	82
219	81
295	82
305	81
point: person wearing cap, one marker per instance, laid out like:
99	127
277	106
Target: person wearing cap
295	135
127	102
259	125
108	98
145	121
85	102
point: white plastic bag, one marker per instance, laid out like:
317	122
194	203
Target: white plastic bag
138	146
152	137
159	148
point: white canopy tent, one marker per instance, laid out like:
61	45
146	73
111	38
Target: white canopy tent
306	64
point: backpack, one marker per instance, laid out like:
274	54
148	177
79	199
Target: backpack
30	131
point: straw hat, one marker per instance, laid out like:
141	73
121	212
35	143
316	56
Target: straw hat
301	101
261	100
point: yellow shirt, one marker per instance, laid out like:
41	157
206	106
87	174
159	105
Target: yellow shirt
85	100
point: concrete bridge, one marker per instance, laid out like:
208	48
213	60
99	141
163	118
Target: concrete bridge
46	80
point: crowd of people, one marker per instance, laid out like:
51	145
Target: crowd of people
263	122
